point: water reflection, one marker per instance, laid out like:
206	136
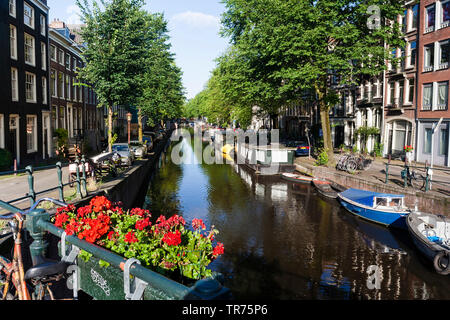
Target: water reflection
282	241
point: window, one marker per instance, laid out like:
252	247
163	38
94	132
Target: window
68	61
445	16
28	15
54	118
53	90
31	133
412	54
444	54
403	20
43	56
60	85
427	142
30	87
14	85
427	96
430	15
362	91
391	93
442	96
61	117
29	50
429	57
443	142
12	8
13	41
43	24
74	64
53	52
67	87
411	89
2	131
75	91
414	10
394	56
61	57
44	90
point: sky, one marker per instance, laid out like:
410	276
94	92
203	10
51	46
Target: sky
194	34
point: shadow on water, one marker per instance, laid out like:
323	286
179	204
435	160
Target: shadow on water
283	241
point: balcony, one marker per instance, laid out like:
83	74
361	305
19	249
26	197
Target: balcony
428	69
445	24
443	66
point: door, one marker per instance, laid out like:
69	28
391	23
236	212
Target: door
14	146
46	136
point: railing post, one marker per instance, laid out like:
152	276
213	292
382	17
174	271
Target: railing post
60	183
83	180
427	179
39	246
31	192
77	162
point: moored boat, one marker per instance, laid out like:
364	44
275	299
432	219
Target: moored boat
298	178
383	208
327	188
431	235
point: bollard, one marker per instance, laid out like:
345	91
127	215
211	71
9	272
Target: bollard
83	180
405	176
60	183
31	192
77	162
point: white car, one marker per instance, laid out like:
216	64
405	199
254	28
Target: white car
139	149
124	152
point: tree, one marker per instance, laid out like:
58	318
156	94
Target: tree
288	46
117	39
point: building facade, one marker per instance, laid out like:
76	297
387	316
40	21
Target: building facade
400	83
24	95
433	83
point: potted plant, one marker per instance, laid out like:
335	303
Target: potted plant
168	245
409	153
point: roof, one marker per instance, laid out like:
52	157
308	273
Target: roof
366	197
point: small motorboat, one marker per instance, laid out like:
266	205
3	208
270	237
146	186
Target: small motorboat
298	178
383	208
431	235
327	188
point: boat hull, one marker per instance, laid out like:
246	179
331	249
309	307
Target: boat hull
297	178
388	219
324	188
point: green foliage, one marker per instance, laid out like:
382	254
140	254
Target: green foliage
6	160
364	133
378	149
322	158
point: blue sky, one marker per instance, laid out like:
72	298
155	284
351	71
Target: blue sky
193	27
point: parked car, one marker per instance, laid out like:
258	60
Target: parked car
124	152
148	141
138	148
302	148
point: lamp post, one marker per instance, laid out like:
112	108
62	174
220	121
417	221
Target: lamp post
129	125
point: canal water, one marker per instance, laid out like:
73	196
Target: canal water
284	241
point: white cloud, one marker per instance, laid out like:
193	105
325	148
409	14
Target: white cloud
74	12
197	19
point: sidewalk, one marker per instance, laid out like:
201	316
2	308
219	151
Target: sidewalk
377	174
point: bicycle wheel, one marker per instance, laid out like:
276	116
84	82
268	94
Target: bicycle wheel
351	166
417	181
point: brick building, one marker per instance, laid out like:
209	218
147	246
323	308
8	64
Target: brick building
433	82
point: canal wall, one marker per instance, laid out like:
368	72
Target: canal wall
426	202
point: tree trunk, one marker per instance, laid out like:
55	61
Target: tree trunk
110	124
326	127
140	124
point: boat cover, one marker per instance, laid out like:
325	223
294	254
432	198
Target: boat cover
365	197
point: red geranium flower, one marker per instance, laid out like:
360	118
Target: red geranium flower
172	238
218	250
130	237
142	224
198	223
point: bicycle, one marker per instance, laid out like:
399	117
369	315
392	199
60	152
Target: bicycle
414	179
40	276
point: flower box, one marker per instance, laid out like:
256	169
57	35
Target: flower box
166	248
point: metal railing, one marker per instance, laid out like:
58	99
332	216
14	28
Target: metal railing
80	181
427	174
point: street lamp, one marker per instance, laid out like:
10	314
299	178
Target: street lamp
129	125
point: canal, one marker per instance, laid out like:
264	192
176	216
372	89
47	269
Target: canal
284	241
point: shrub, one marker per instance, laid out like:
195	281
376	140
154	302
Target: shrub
6	160
322	158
